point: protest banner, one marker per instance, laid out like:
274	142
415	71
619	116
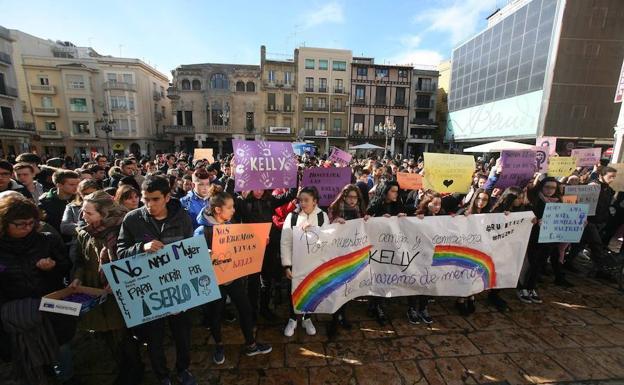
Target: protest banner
341	157
569	199
560	166
176	278
300	148
264	165
328	181
618	183
203	153
409	181
542	155
238	249
390	257
587	156
518	168
587	194
563	223
547	141
448	173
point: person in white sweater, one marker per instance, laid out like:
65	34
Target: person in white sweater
308	214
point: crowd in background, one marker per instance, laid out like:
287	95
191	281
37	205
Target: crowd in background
60	221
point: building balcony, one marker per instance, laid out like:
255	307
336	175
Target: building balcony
17	128
424	105
156	95
426	89
309	89
400	104
339	90
50	134
177	129
41	89
122	108
278	108
8	91
357	135
218	129
359	102
5	58
316	108
81	134
123	86
46	111
422	122
339	110
172	93
322	89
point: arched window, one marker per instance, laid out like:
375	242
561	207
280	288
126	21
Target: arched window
240	86
196	85
186	84
218	81
251	87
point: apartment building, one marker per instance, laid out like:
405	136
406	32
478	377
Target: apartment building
423	124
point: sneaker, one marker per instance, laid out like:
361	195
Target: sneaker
229	316
563	282
424	316
219	355
186	378
462	307
380	315
289	330
412	316
309	326
499	303
344	322
524	296
534	297
257	348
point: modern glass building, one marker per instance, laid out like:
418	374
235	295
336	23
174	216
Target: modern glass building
528	73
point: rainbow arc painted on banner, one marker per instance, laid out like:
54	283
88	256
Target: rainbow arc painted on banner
467	258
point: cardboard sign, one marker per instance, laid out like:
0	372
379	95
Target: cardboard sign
238	250
518	168
560	166
409	181
341	157
563	223
618	183
176	278
542	156
391	257
328	181
264	165
203	153
587	194
57	301
448	173
569	199
547	141
587	156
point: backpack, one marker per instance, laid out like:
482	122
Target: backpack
320	218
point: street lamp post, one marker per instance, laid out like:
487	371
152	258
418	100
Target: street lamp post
388	128
107	127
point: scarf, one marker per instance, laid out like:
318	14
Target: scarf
107	231
348	213
546	199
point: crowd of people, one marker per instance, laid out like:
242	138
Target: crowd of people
59	226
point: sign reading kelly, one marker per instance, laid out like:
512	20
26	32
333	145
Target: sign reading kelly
176	278
264	165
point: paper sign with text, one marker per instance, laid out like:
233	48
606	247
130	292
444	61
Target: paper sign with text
203	153
569	199
587	156
587	194
409	181
542	155
563	223
448	173
176	278
518	168
548	141
328	181
264	165
560	166
341	157
238	249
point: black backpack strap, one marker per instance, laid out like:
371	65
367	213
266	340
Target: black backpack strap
320	218
293	219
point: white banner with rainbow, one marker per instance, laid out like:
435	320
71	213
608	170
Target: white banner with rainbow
390	257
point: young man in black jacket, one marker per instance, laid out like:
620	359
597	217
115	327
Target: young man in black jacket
148	229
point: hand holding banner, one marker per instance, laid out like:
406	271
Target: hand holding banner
238	249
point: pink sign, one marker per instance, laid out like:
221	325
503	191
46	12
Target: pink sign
587	156
261	165
341	157
548	141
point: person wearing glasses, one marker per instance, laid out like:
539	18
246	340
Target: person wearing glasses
32	264
6	181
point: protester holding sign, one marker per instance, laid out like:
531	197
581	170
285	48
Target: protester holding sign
97	245
307	215
148	229
33	264
220	211
258	206
347	206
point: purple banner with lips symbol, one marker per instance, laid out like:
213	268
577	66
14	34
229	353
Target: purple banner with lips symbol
261	165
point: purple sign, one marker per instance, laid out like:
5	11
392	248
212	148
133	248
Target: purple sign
264	165
328	181
341	157
518	168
